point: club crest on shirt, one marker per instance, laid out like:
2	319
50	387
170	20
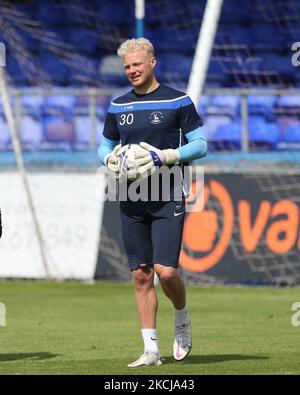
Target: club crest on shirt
156	117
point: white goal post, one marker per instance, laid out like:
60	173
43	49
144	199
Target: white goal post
204	49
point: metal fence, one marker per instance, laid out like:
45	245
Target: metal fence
93	93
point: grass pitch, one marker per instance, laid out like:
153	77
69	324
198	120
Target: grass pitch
76	328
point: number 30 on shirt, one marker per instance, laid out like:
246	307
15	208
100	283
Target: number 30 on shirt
126	118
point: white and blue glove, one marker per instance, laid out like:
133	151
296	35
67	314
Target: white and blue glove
113	163
156	158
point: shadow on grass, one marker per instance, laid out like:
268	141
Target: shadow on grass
204	359
37	356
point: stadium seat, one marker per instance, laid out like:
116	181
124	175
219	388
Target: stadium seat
293	133
32	44
289	101
51	13
227	136
173	13
58	134
57	71
115	15
176	66
234	34
286	121
58	125
31	133
262	105
15	70
25	7
252	48
215	73
262	134
176	39
82	132
5	138
32	103
280	63
290	139
99	131
227	104
82	40
262	37
233	12
111	70
64	102
218	129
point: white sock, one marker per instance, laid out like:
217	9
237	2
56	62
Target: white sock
150	340
181	316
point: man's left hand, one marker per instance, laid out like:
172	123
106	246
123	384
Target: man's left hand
162	157
156	158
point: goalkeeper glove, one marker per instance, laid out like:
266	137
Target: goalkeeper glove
112	162
156	157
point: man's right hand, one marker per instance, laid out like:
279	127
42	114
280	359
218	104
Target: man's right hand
112	162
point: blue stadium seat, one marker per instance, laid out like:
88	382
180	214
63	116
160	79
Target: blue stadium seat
111	70
58	123
29	9
99	131
176	65
82	132
50	13
221	132
262	36
63	102
227	104
262	105
234	34
32	103
215	73
233	12
112	14
83	40
31	132
15	70
228	136
58	72
289	101
290	139
263	134
5	138
280	63
172	38
174	12
32	44
58	133
284	121
293	133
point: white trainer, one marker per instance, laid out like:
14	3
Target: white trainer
183	341
147	359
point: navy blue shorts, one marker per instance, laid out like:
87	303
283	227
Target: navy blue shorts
152	232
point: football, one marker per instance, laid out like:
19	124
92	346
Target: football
126	161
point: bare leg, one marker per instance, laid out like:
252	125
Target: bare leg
145	296
174	289
172	285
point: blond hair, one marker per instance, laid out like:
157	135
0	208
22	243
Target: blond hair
134	44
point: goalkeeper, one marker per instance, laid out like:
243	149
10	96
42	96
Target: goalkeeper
158	118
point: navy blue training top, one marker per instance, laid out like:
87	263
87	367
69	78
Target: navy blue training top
158	118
